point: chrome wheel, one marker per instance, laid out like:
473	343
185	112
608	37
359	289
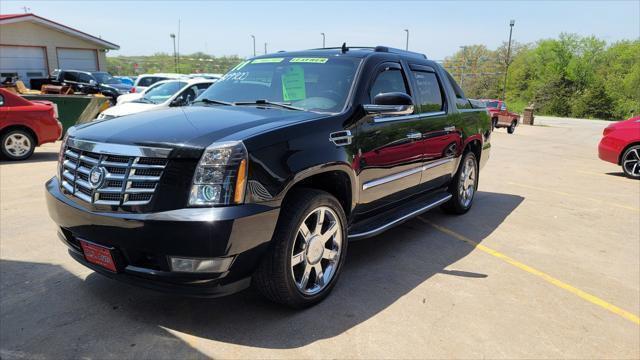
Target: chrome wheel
17	145
316	250
467	183
631	162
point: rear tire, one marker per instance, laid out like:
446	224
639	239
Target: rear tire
631	162
17	145
512	128
301	270
494	124
464	185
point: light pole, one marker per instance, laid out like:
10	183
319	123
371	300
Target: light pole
323	38
506	70
254	44
265	48
407	45
175	58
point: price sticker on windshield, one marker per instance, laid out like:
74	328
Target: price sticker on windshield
309	60
293	86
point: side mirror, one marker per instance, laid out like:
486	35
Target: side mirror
179	101
92	82
393	103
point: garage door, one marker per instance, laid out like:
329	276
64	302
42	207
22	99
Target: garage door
77	59
22	61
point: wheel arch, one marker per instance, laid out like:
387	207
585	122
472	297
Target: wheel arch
21	127
337	179
636	143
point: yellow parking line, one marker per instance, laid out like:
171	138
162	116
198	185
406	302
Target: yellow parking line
546	277
576	196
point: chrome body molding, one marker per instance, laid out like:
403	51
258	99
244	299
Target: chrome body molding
118	149
472	110
399	220
405	173
341	138
382	119
388	109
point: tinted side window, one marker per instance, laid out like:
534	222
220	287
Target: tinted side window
461	100
149	80
390	80
70	76
428	92
84	78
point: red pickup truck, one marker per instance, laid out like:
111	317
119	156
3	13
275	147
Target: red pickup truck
500	116
25	124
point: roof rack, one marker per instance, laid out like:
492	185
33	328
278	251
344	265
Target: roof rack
380	49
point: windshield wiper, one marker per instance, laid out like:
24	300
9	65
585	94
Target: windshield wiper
271	103
212	101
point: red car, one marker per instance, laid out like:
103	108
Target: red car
25	124
620	145
500	116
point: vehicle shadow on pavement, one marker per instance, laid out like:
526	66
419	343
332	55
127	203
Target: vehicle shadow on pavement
40	156
99	314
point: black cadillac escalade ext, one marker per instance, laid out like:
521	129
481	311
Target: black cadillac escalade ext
270	173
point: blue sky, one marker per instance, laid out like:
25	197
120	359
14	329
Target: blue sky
436	28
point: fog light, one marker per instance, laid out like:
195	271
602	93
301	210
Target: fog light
215	265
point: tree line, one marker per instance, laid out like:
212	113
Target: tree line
573	76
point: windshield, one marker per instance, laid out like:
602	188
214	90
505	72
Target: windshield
491	104
105	78
310	83
162	92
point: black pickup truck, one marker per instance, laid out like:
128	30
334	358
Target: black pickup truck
271	172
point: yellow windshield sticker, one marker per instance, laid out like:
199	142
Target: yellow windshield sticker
267	60
309	60
293	87
240	66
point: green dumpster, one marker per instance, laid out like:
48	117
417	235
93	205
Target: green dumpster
74	109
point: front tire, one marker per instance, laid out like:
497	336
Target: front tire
17	145
464	185
512	128
307	250
631	162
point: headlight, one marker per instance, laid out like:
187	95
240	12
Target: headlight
221	175
61	155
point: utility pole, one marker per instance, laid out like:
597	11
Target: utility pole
407	45
506	70
265	48
464	64
254	44
323	38
178	51
175	58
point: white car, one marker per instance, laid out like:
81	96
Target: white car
125	98
168	94
145	80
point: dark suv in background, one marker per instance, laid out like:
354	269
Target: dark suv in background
93	82
266	178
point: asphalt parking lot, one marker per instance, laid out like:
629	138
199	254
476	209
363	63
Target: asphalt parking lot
545	265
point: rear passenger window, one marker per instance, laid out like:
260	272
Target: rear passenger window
390	80
461	100
428	92
70	76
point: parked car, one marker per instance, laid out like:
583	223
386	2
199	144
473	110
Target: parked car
26	124
125	80
145	80
500	116
620	145
125	98
92	82
206	76
270	173
168	93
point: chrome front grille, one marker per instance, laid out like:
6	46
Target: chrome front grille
117	180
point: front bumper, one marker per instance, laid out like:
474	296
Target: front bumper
142	243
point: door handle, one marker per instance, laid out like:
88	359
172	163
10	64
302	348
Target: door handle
414	135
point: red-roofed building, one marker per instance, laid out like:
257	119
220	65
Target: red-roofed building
32	47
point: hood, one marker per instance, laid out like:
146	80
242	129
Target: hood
189	127
129	108
123	87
